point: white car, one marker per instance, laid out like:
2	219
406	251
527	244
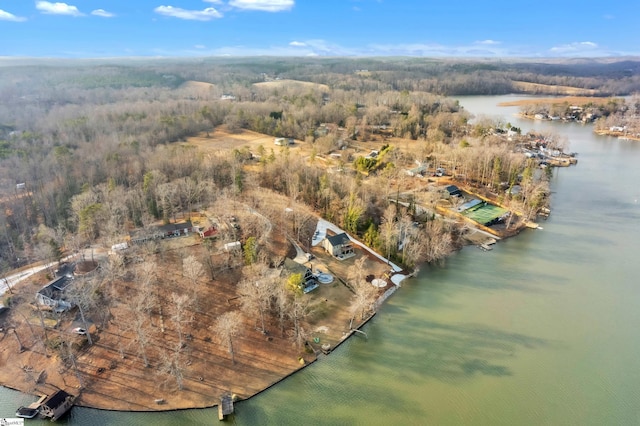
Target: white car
80	331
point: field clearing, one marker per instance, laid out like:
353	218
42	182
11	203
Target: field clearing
222	140
571	100
291	84
552	89
199	85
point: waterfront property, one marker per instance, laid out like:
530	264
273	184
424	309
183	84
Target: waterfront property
485	213
56	405
338	245
309	282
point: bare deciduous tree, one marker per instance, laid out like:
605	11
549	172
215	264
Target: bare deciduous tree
299	308
388	232
192	269
181	304
438	242
227	327
172	363
256	290
364	293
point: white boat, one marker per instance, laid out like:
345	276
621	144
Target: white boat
26	412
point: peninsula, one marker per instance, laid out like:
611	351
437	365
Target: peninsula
170	240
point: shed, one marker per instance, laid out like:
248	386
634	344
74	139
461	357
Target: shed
453	191
232	246
283	141
208	233
119	246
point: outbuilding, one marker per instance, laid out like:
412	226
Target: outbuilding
56	405
453	191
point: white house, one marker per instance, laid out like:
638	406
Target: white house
338	245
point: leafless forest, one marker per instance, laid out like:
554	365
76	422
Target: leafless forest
93	143
93	151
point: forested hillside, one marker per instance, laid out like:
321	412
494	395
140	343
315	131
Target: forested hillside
95	142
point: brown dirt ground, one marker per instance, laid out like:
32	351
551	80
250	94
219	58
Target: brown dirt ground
553	89
291	83
222	141
197	85
571	100
116	379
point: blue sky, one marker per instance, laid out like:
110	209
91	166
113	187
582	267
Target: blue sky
460	28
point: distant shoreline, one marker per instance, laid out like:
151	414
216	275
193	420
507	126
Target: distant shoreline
572	100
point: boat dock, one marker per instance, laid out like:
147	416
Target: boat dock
225	407
486	245
32	410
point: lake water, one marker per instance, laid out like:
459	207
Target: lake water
541	330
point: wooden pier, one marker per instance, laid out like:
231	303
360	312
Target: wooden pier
225	407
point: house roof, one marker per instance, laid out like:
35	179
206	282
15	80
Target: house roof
56	285
170	227
452	189
209	232
57	399
339	239
295	267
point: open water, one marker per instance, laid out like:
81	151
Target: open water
543	330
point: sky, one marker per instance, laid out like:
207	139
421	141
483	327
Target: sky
421	28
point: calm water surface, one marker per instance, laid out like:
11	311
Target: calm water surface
541	330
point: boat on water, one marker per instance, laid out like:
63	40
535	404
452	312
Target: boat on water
26	412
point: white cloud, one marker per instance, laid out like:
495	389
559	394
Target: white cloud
324	48
487	42
200	46
579	47
439	50
263	5
57	8
6	16
196	15
103	13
